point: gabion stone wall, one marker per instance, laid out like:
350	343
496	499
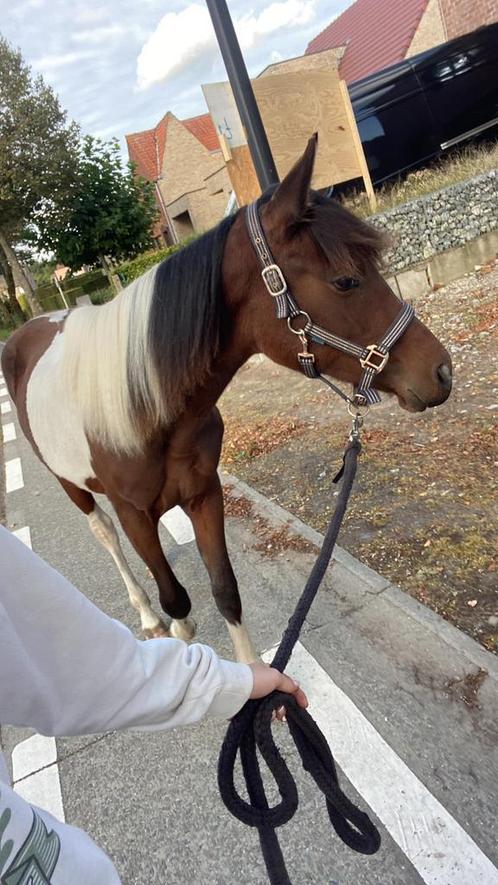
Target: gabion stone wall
440	221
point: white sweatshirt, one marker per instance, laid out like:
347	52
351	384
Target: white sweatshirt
66	669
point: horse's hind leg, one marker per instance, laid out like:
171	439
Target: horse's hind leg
104	531
206	513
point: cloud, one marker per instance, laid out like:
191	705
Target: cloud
95	36
182	36
288	14
59	60
178	38
87	16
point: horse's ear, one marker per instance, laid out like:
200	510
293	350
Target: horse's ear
290	200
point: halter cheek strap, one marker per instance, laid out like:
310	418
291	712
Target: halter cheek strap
372	358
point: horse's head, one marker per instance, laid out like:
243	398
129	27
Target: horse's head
330	260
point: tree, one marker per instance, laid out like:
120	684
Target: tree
12	314
37	154
43	270
109	214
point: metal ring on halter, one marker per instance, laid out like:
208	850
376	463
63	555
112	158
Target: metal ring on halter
306	327
355	410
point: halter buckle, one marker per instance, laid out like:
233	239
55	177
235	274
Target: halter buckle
369	361
267	273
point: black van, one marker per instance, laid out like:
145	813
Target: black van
413	111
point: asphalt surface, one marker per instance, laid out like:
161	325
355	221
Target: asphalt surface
151	801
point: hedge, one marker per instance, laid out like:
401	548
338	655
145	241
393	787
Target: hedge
73	287
130	270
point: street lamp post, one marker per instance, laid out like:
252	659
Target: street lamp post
259	147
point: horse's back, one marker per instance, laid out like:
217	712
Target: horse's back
25	347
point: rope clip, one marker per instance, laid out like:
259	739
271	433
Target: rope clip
356	426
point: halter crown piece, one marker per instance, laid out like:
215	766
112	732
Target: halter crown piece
372	358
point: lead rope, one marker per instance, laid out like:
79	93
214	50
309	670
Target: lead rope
251	730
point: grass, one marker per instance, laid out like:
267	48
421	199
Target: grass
459	165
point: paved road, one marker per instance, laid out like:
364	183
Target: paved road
386	680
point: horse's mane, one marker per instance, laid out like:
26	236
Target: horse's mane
350	245
186	315
131	364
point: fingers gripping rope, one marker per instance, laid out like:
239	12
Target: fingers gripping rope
250	733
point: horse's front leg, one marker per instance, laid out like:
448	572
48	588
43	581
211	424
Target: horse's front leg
206	513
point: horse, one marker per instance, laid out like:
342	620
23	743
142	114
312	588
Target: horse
120	399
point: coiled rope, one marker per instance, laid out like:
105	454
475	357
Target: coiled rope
251	730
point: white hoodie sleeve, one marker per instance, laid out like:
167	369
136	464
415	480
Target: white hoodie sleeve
69	669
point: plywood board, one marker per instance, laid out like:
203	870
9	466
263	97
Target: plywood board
294	103
293	106
243	175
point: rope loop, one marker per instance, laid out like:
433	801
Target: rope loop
250	737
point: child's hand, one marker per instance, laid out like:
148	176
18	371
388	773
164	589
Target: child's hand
267	679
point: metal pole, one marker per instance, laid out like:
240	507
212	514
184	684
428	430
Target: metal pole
261	154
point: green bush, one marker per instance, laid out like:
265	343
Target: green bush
100	296
6	332
88	282
49	299
130	270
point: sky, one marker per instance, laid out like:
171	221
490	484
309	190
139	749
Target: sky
119	65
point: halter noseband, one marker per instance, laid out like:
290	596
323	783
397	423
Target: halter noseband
372	358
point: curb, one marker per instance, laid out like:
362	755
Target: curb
375	583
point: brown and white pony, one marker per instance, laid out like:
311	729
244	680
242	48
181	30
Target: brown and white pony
120	399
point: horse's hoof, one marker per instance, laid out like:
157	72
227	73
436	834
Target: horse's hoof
158	632
184	628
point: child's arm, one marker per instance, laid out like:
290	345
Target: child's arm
67	668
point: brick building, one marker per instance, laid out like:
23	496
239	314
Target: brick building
184	161
374	34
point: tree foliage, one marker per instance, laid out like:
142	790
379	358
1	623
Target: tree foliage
37	149
109	213
37	145
43	270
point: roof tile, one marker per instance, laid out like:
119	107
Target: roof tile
203	129
377	34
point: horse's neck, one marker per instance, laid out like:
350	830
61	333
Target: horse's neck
225	367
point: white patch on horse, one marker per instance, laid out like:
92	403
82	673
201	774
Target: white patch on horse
58	316
244	650
107	359
55	419
103	529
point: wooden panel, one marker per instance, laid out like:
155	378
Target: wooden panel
294	106
358	147
243	175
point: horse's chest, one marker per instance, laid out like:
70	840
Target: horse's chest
55	420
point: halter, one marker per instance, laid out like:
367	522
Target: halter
372	358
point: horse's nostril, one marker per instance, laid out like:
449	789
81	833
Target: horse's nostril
444	375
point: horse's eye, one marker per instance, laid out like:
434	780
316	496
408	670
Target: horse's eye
344	284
